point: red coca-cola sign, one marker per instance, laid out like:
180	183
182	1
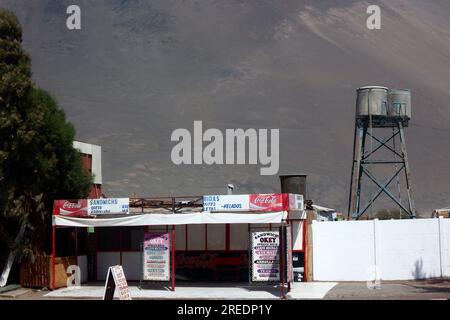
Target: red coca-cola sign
267	202
71	208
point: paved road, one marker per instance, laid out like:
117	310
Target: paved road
399	290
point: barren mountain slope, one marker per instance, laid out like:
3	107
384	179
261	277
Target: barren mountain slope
140	69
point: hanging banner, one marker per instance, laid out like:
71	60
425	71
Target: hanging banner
265	256
156	256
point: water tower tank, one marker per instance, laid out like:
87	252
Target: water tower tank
399	103
372	100
294	183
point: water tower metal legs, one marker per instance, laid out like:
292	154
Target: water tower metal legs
350	194
407	170
358	152
362	159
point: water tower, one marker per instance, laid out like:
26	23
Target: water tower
379	146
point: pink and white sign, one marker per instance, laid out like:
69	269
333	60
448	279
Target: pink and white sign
156	258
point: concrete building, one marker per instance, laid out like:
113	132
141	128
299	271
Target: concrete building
92	160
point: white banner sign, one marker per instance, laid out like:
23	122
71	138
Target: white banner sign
108	206
265	256
238	202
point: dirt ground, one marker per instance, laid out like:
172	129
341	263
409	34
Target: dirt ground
398	290
395	290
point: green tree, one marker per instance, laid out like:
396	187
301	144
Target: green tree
37	160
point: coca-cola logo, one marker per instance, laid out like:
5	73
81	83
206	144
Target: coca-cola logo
266	202
71	205
269	199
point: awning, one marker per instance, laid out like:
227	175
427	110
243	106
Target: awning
155	219
320	208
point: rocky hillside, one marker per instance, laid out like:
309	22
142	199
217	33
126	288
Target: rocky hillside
140	69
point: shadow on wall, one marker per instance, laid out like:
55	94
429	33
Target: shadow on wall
418	273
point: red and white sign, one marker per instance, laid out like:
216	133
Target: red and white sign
296	202
267	202
88	207
71	208
270	202
119	282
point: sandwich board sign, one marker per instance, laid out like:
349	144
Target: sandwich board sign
265	246
116	279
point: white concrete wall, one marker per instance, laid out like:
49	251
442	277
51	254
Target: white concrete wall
445	246
104	261
131	264
398	249
96	152
83	264
408	249
342	250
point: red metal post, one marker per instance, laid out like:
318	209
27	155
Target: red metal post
305	260
173	258
282	261
289	262
53	256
